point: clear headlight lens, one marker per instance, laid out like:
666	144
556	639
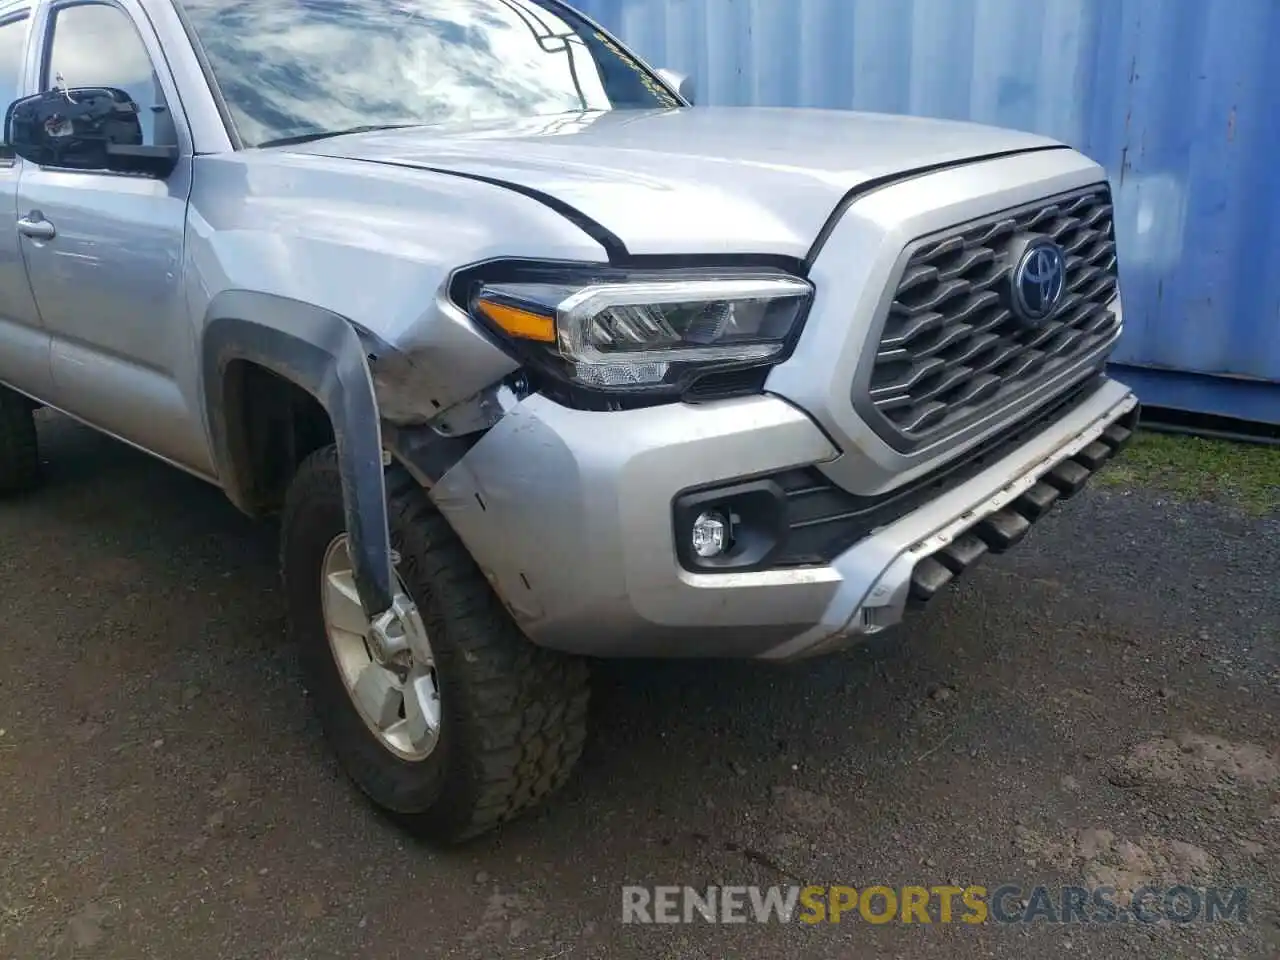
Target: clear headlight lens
650	333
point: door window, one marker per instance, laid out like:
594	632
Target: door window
97	45
13	49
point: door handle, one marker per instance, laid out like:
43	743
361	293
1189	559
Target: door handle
35	226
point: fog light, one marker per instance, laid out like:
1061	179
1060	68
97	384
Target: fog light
710	534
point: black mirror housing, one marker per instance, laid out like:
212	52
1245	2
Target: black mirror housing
84	128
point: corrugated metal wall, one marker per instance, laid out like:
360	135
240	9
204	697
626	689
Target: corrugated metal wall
1178	99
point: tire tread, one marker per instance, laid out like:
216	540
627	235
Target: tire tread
525	707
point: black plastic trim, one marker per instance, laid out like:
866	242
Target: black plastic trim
321	353
821	520
1002	530
425	453
684	261
851	518
761	509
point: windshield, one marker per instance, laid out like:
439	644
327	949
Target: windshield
296	69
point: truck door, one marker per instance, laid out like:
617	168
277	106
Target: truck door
104	250
24	343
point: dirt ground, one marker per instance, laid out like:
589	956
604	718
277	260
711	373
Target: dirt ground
1101	706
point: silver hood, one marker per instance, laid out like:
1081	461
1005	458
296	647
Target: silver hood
696	181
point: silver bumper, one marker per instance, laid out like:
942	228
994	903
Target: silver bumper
569	514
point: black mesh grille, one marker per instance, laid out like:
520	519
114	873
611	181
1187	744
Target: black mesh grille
951	348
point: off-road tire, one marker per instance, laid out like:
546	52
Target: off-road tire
514	715
19	451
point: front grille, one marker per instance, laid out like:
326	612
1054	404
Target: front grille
951	348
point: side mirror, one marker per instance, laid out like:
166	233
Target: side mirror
84	128
681	83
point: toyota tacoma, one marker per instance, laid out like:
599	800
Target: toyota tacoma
533	360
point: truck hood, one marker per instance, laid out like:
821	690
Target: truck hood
704	180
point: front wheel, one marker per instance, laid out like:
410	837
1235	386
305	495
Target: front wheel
454	738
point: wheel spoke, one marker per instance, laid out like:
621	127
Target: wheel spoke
342	604
423	659
379	695
421	708
386	664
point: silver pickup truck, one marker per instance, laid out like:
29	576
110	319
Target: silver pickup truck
535	361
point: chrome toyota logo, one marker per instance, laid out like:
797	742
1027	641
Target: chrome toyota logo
1039	277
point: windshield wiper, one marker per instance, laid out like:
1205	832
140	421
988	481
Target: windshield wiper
326	134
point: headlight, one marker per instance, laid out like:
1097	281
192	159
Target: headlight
648	333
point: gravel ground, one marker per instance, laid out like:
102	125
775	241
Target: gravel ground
1103	705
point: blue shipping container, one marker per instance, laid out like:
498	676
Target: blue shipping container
1178	99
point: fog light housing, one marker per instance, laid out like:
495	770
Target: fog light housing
710	534
734	527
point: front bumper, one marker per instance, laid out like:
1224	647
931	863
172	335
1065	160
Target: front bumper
569	514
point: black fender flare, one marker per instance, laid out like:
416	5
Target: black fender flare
321	353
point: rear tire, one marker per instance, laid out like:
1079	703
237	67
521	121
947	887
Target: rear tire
513	715
19	449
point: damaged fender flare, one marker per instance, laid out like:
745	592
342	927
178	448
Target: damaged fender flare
320	352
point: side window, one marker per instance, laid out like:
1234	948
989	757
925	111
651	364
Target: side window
97	45
13	50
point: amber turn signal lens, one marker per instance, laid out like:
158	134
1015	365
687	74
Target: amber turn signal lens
520	323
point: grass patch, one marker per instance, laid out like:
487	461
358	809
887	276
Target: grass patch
1191	468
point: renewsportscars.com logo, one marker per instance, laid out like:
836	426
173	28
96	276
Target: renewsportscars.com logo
973	904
